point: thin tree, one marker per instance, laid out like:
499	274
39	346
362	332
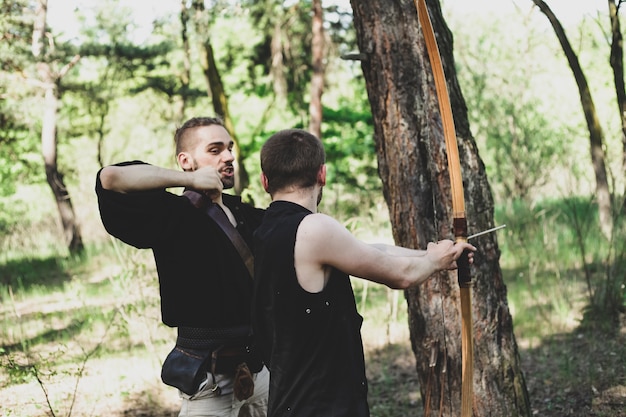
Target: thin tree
216	89
43	49
596	137
317	79
617	64
285	51
185	73
412	164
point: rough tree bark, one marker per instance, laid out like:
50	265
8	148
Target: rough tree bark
317	79
49	80
413	168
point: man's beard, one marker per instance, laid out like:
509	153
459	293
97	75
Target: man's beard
228	182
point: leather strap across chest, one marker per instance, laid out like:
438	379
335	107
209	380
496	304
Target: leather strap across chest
218	215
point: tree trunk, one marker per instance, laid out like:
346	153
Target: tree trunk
71	231
277	68
185	74
412	164
217	93
317	79
617	63
220	105
596	138
49	79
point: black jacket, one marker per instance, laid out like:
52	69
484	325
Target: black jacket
203	281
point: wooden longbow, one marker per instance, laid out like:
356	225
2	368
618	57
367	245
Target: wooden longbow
458	207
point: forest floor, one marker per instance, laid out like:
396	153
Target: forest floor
577	374
581	373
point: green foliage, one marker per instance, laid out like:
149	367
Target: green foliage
16	20
112	67
522	142
282	57
19	158
285	50
558	256
29	225
546	228
351	159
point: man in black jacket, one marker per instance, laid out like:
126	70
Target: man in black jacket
205	286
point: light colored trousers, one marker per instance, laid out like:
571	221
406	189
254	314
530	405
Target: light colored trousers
216	399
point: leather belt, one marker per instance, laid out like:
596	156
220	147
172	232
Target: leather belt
210	338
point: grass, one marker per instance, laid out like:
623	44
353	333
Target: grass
82	336
97	316
543	304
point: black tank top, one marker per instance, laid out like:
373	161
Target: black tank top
311	342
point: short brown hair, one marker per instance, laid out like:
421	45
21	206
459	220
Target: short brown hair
180	136
291	157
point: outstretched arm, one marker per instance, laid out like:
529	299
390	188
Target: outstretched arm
397	250
321	242
142	177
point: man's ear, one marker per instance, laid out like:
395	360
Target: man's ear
321	175
264	182
184	160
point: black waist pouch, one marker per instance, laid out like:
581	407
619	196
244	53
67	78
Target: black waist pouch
185	368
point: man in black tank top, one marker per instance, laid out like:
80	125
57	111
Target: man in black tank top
304	315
